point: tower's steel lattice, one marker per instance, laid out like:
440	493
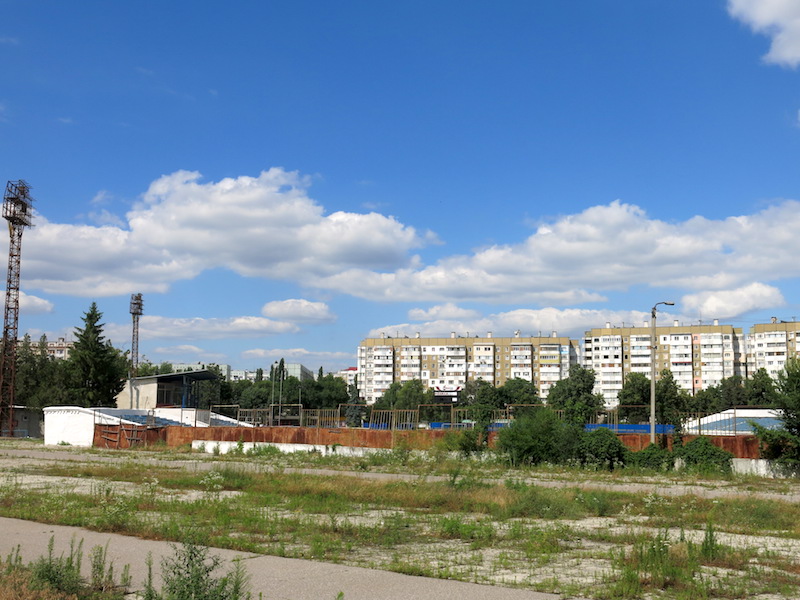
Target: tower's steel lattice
18	211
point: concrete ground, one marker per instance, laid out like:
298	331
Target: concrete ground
274	577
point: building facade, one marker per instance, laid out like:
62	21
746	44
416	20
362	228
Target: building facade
348	375
446	364
699	356
770	345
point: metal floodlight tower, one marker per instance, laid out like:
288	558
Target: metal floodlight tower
136	311
18	211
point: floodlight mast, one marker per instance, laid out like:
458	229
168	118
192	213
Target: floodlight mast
18	211
137	309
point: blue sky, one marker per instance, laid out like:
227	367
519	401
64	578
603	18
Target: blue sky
283	179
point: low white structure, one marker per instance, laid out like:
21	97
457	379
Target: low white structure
74	425
734	421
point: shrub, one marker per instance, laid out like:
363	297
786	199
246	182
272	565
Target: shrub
701	455
539	437
653	457
189	574
602	449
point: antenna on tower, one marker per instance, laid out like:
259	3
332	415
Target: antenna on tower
137	305
18	211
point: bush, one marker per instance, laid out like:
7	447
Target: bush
703	456
602	449
653	457
539	437
188	574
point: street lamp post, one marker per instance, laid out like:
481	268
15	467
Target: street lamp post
272	377
653	346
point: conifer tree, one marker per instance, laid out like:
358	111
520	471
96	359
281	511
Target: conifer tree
98	370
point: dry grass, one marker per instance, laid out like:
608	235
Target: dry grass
16	586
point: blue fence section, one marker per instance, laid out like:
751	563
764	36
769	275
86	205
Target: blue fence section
626	428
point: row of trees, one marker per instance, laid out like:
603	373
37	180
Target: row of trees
574	395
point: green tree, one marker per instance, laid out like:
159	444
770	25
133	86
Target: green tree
539	436
788	386
634	399
332	391
519	391
671	401
146	369
27	378
479	392
389	398
259	374
760	389
165	368
255	395
575	396
707	400
732	392
98	369
410	395
238	389
291	390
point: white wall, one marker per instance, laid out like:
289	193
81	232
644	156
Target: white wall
71	425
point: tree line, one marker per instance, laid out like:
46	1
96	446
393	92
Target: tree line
92	375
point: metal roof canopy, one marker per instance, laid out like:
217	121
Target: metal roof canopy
202	375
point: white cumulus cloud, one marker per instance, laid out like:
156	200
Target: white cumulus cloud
732	303
298	310
576	258
33	305
268	227
187	353
330	361
442	311
778	19
529	322
197	328
265	226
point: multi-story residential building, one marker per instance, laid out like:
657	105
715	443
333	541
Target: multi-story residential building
699	356
243	375
446	364
60	349
225	370
348	375
771	344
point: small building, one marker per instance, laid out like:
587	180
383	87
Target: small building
171	390
28	422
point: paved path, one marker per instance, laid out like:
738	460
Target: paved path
276	578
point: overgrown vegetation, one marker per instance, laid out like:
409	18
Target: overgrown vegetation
59	577
474	520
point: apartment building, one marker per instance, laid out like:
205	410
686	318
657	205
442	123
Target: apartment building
60	349
699	356
771	344
446	364
348	375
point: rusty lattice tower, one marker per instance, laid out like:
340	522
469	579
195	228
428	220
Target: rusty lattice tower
137	309
18	211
